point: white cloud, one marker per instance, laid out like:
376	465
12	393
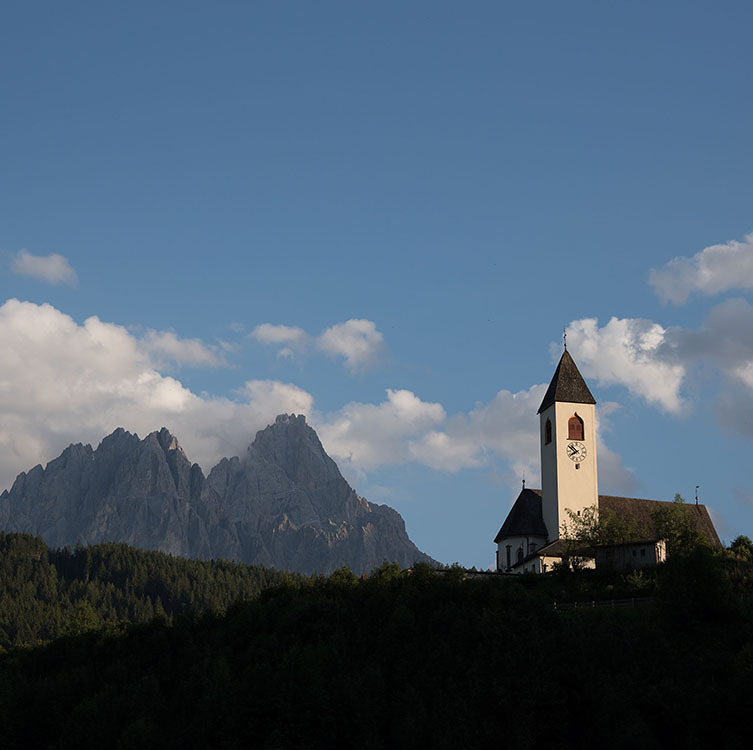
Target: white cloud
267	333
506	427
744	373
366	436
53	268
445	452
228	346
653	362
357	340
276	398
165	347
633	353
363	437
715	269
62	382
404	428
291	339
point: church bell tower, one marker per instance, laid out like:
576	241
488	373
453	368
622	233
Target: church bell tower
567	421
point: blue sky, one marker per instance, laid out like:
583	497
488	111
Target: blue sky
423	194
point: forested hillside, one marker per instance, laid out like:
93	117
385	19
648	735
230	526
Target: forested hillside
407	659
45	593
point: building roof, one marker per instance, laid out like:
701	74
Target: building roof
639	511
567	385
525	517
553	549
622	545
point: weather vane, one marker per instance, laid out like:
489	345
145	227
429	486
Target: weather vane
564	337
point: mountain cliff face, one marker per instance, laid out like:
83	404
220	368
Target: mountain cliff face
284	504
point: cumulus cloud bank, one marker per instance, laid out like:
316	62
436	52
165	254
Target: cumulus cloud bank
403	428
62	382
715	269
53	268
506	426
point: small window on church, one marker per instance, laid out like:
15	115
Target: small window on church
548	432
520	553
575	428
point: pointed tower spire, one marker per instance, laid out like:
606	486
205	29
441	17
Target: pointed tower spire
567	384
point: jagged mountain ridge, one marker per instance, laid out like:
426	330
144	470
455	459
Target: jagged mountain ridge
284	504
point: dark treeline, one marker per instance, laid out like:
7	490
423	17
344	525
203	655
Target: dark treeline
419	659
46	593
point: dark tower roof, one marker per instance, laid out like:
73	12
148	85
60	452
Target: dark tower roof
567	385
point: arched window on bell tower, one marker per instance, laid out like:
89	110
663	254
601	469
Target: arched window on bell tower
548	432
575	428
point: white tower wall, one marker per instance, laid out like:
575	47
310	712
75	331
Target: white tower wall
563	486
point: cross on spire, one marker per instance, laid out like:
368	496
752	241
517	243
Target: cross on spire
564	337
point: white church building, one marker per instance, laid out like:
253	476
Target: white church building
529	540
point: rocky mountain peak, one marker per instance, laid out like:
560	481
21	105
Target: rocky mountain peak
299	419
77	452
118	441
168	442
285	505
295	447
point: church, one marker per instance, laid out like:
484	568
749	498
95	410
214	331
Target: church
529	540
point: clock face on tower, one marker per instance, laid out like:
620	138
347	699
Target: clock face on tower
576	451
